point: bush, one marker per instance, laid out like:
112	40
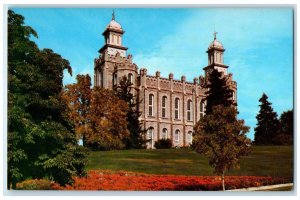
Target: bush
36	184
283	139
163	144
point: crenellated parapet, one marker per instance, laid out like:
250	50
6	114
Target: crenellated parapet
170	84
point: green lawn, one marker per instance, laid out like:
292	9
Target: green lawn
263	161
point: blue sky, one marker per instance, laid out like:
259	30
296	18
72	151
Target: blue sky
258	43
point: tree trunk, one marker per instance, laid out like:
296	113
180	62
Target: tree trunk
223	182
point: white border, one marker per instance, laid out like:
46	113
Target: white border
134	3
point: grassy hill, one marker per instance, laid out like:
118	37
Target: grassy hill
263	161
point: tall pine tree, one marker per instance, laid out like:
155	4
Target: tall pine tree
267	123
218	92
123	91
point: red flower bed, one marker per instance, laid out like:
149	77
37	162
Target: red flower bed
107	180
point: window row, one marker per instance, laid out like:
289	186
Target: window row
129	78
176	108
164	135
114	39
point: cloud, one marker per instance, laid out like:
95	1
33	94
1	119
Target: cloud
249	36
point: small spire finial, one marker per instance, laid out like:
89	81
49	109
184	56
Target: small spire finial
113	15
215	35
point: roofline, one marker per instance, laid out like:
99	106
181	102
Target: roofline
215	64
113	46
113	30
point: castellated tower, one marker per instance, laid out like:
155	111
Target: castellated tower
113	63
169	108
215	53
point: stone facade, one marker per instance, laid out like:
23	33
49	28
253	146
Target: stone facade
170	108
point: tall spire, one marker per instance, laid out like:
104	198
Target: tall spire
215	35
113	15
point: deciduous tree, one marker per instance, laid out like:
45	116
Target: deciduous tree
40	142
77	98
222	138
107	126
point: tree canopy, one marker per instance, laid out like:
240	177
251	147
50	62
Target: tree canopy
219	135
40	142
97	115
125	93
267	123
222	138
107	127
218	92
77	98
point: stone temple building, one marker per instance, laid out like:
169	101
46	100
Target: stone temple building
170	108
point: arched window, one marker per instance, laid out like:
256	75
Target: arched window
163	107
176	137
189	110
177	102
151	137
151	99
115	79
189	138
100	79
130	78
164	134
202	109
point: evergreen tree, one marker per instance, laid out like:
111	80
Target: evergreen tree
40	142
123	91
285	132
267	123
218	92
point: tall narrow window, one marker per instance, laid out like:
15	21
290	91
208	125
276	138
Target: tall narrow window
189	138
163	107
177	108
130	78
151	98
118	40
150	137
202	108
112	38
115	79
233	96
164	134
176	137
100	79
189	110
